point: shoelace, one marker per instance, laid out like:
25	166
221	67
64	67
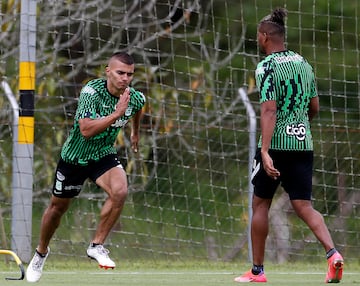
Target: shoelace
38	262
102	250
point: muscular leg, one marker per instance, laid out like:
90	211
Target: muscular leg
51	220
114	182
315	221
259	228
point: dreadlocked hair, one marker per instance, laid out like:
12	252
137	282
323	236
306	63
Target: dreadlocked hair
275	20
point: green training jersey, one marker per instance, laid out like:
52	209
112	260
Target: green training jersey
96	102
288	78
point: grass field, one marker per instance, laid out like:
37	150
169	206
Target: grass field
175	274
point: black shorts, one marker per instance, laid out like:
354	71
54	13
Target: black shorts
69	178
295	167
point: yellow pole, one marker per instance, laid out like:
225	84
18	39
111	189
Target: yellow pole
18	262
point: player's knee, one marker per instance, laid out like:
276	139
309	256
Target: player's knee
57	210
58	206
118	196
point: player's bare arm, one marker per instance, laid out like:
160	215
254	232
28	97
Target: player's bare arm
314	107
135	125
268	121
91	127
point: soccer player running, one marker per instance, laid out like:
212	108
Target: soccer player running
104	107
289	100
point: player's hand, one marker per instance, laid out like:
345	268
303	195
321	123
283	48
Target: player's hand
123	102
134	138
268	165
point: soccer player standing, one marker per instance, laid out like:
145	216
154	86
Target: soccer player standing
104	107
289	101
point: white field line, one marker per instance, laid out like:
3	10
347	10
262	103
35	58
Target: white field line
135	273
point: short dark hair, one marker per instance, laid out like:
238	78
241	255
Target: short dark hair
123	57
274	23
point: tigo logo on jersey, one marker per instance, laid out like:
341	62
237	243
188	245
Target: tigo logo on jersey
297	130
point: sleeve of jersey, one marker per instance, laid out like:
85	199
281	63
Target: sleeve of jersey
139	101
265	82
87	103
313	88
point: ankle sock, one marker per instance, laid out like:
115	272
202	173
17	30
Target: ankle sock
330	253
43	255
94	244
257	269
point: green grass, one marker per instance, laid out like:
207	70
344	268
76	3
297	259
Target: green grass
151	273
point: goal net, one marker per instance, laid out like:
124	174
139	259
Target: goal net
188	186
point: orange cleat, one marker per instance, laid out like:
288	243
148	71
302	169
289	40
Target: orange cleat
335	268
250	277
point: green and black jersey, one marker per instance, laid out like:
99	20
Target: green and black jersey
288	78
96	102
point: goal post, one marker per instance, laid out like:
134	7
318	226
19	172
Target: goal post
252	150
23	150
